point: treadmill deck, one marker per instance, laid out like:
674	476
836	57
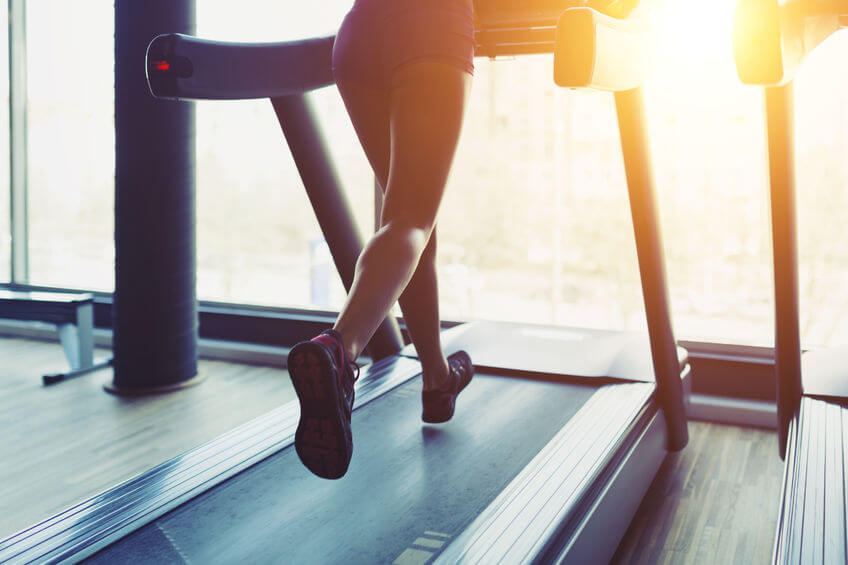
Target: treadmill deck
406	478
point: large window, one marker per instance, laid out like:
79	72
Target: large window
709	149
5	232
258	240
535	225
71	142
821	96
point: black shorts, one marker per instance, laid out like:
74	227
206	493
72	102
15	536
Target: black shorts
379	36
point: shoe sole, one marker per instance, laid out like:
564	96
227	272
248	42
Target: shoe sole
323	439
430	419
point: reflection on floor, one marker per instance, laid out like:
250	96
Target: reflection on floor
64	443
715	502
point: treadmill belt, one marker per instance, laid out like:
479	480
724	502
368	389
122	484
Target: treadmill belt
410	486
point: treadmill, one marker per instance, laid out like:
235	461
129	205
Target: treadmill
554	443
771	41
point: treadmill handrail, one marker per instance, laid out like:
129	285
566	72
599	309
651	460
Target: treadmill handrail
597	51
592	50
184	67
772	39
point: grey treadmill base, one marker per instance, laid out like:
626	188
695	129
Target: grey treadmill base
812	527
555	350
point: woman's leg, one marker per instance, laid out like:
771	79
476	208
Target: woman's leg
370	111
426	108
420	306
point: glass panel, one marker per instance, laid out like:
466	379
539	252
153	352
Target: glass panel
258	240
708	139
71	143
537	227
821	99
5	232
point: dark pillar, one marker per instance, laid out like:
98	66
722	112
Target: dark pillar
155	306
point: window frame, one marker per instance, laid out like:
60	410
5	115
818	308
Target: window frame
18	188
735	371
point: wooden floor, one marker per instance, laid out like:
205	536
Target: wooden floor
64	443
715	502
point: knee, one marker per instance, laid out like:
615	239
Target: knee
414	237
406	240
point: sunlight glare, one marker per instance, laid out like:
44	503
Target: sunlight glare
694	43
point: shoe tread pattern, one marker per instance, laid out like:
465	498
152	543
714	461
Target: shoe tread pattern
323	438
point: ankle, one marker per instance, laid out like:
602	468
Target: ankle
351	348
435	375
335	342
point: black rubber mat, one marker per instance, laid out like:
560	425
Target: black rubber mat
410	489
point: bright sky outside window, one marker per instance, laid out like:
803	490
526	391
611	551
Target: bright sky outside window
535	225
71	143
5	241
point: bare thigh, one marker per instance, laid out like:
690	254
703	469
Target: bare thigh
369	110
409	134
428	100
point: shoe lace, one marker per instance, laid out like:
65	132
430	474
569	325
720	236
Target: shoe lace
458	369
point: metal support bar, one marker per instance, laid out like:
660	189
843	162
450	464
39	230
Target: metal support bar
787	339
69	338
18	209
85	336
330	204
77	341
635	148
99	363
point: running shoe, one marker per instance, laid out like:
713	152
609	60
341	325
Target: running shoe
323	380
438	405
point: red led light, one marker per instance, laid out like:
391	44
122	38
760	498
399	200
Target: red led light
162	65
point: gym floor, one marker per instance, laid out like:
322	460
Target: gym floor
715	502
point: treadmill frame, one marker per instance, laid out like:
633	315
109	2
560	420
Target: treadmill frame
771	40
638	437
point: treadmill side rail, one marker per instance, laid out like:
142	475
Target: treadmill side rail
523	522
811	527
